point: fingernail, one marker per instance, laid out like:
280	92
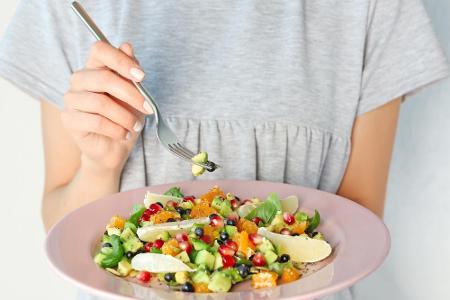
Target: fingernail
138	74
138	126
128	136
147	108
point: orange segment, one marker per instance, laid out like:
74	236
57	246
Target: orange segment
117	222
264	279
246	225
201	210
243	242
209	196
201	287
299	228
289	274
171	247
163	215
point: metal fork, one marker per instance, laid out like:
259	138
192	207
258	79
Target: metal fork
166	137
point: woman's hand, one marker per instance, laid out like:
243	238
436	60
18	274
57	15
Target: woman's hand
104	112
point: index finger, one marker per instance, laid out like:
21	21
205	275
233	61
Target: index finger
105	55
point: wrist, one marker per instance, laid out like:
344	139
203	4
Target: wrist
94	169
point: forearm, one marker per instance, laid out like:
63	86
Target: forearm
87	185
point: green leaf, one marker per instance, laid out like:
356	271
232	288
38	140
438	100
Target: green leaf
275	200
174	192
155	250
267	210
111	260
138	210
314	222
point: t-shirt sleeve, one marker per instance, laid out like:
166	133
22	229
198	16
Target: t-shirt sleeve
402	53
32	52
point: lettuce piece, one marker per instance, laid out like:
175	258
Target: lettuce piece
267	210
174	192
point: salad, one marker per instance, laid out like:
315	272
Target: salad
212	242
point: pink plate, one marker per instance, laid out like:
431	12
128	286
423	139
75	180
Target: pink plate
359	239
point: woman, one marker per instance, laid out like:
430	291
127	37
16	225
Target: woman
303	92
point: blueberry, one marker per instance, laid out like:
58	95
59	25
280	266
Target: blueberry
231	222
295	234
129	255
187	287
180	210
171	220
160	204
243	270
199	231
169	277
187	211
224	236
107	245
284	258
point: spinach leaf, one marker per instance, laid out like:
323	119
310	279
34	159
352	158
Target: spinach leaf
112	259
174	192
313	222
267	210
138	210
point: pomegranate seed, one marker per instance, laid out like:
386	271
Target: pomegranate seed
154	208
228	261
226	251
285	231
216	220
185	246
148	246
172	203
144	276
234	203
258	260
182	236
207	239
256	220
231	244
145	218
158	243
288	218
255	238
189	198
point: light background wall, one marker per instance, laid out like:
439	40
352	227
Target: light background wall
417	212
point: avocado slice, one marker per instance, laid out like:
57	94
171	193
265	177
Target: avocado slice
197	170
165	236
205	258
220	282
130	241
231	230
225	208
270	257
199	244
124	267
200	276
183	256
218	261
216	203
265	246
200	158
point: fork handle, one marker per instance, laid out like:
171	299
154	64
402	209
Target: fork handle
98	34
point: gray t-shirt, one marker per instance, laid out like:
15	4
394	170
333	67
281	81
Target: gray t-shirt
270	89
